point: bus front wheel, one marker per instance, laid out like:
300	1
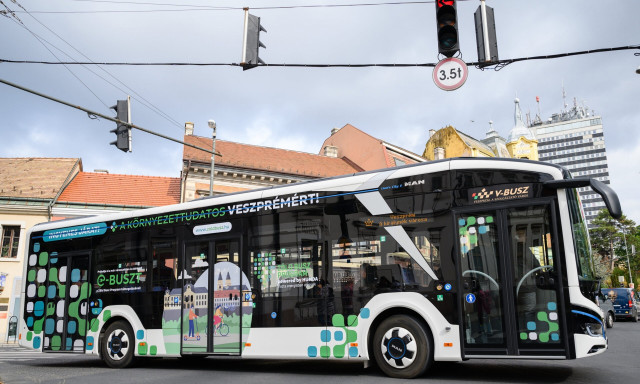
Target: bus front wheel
402	347
117	345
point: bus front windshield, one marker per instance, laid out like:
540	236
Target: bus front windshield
580	232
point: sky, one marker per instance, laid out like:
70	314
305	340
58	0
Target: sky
296	108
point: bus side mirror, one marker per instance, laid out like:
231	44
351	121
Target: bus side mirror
608	194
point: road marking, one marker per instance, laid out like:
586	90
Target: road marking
22	354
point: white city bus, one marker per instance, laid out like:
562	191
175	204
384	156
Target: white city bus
441	261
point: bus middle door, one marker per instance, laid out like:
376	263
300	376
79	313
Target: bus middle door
212	301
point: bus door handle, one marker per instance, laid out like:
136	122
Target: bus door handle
545	281
473	285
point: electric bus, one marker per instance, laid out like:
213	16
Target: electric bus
448	260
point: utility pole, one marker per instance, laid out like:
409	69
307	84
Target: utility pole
212	125
613	256
626	250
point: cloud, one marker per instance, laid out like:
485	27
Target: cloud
295	108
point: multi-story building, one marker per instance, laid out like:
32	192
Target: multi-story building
575	140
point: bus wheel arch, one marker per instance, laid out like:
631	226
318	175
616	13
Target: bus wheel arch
117	343
411	338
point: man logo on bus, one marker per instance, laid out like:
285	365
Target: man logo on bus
483	194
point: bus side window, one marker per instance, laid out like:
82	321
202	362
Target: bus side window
164	260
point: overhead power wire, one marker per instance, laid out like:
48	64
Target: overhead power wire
497	65
66	65
94	116
191	7
136	97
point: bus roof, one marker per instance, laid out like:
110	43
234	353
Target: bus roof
336	183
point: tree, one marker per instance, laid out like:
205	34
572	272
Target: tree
608	238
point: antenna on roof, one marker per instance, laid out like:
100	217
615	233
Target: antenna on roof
564	96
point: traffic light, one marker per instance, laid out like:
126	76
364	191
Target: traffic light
447	22
486	35
251	42
123	131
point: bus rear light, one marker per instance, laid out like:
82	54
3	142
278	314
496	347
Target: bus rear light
354	344
20	336
448	344
247	344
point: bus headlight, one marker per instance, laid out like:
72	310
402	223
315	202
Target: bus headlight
593	329
587	323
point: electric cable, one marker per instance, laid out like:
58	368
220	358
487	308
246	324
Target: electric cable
480	65
136	97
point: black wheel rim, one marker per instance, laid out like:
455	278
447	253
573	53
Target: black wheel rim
398	347
118	344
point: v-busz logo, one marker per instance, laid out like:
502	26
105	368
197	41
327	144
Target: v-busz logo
483	194
499	193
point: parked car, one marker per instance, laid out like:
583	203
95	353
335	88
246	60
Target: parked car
624	302
606	306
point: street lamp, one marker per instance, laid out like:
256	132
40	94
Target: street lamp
212	125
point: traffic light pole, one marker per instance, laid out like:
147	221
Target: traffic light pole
93	113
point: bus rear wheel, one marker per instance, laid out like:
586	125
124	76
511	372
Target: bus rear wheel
402	348
117	345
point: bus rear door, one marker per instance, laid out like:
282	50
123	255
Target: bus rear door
67	290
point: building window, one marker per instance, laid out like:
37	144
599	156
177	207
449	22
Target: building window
9	241
399	162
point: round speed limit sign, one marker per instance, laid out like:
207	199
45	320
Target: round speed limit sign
450	74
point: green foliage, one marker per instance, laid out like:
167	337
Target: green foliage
611	242
615	275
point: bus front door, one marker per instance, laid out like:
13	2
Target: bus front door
509	282
212	298
67	290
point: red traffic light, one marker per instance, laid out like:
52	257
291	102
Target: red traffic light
447	23
442	3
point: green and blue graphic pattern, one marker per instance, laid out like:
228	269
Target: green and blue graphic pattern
346	337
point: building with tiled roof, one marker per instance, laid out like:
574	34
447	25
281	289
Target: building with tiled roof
366	151
243	166
29	189
35	178
93	192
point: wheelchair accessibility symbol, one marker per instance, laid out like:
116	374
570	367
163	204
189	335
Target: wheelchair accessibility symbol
471	298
